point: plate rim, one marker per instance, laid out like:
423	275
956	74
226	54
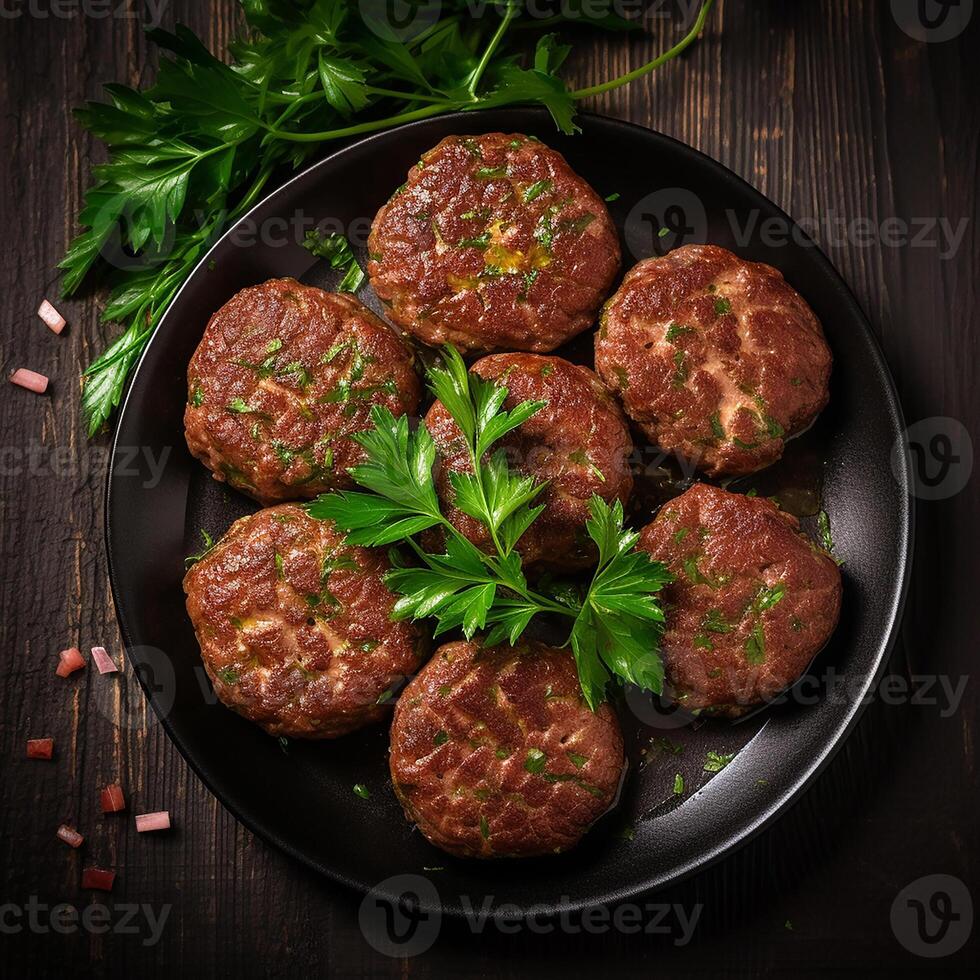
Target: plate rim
733	840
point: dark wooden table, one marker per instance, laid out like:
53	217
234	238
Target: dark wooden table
832	110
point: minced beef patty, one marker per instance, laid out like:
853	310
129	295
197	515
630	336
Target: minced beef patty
752	602
495	754
717	359
294	626
282	378
494	243
579	443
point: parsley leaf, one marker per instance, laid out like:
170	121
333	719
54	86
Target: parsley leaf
337	251
769	597
208	544
462	587
716	761
755	645
398	472
620	624
617	623
502	500
826	538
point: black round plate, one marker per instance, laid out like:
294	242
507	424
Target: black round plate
299	796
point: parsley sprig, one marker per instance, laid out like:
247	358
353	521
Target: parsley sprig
338	253
192	153
617	621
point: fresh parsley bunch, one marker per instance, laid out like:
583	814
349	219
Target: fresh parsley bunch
617	621
193	152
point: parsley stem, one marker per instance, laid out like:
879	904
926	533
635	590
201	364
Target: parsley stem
253	192
688	39
367	127
404	96
475	458
297	100
509	14
543	603
437	26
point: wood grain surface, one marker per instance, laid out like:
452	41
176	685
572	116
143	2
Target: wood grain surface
831	110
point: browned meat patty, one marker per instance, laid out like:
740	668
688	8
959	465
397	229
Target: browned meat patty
494	243
719	360
579	444
282	378
495	754
294	628
753	601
